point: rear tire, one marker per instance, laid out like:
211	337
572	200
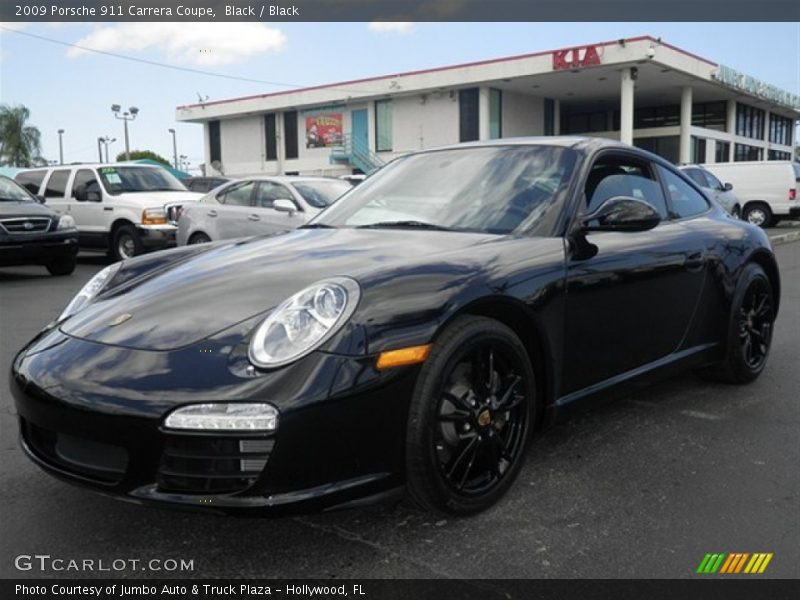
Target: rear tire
470	419
749	330
62	266
125	243
758	213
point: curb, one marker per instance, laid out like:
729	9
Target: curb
785	238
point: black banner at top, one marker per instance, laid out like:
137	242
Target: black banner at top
399	10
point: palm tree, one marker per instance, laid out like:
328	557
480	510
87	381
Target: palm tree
20	144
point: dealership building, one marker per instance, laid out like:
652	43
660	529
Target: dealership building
640	90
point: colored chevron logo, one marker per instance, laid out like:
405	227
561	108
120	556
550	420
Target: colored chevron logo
734	563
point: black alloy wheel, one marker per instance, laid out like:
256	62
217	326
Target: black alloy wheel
749	330
471	417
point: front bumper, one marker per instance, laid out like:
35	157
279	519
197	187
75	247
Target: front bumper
37	249
157	237
88	415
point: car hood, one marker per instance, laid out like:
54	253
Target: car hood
24	209
195	296
149	199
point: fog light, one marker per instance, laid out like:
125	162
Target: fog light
251	416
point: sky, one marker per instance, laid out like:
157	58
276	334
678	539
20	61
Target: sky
66	87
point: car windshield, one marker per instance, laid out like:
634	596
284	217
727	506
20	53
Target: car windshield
13	192
320	194
118	180
491	189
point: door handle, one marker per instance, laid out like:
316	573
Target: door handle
254	217
212	213
695	261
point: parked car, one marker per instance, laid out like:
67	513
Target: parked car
718	191
414	336
124	209
257	206
32	234
767	190
204	184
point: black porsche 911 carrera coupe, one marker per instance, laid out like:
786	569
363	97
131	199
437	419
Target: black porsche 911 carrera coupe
411	338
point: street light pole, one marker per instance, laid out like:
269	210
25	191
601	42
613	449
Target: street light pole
108	141
100	149
60	147
174	148
128	115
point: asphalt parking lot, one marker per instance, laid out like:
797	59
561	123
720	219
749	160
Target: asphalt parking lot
643	487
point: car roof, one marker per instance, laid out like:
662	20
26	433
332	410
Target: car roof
93	166
563	141
286	178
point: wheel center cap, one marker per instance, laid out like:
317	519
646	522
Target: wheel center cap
484	418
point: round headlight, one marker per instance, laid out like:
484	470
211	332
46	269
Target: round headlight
88	292
65	222
304	322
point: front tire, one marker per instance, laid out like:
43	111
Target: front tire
62	266
470	419
198	238
749	329
125	243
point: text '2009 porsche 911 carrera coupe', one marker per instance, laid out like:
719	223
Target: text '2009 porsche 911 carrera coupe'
412	338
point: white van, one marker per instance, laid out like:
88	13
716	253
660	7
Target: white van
767	190
125	208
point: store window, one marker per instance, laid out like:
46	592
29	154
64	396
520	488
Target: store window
722	152
711	115
290	134
271	136
743	152
495	114
549	116
586	122
780	130
383	125
778	155
698	150
666	146
749	121
468	117
657	116
214	143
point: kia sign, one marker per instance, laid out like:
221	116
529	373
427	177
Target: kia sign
573	58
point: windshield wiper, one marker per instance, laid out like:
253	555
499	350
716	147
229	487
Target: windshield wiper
404	225
317	226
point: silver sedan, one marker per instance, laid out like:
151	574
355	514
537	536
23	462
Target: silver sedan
257	206
714	188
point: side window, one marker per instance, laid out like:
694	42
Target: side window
697	176
618	176
684	200
268	192
57	184
30	180
239	194
713	182
86	179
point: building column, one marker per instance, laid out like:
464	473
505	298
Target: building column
556	116
484	113
730	127
626	107
685	153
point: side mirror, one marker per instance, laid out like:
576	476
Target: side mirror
41	198
727	187
285	205
621	213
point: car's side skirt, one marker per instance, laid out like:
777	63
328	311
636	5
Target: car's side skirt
694	356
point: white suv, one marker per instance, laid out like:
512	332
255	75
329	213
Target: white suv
126	209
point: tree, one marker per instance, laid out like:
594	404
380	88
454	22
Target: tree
139	154
20	143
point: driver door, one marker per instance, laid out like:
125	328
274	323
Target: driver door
630	295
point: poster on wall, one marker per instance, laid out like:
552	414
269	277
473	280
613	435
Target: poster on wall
323	130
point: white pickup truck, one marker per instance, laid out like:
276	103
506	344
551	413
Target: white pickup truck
125	208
